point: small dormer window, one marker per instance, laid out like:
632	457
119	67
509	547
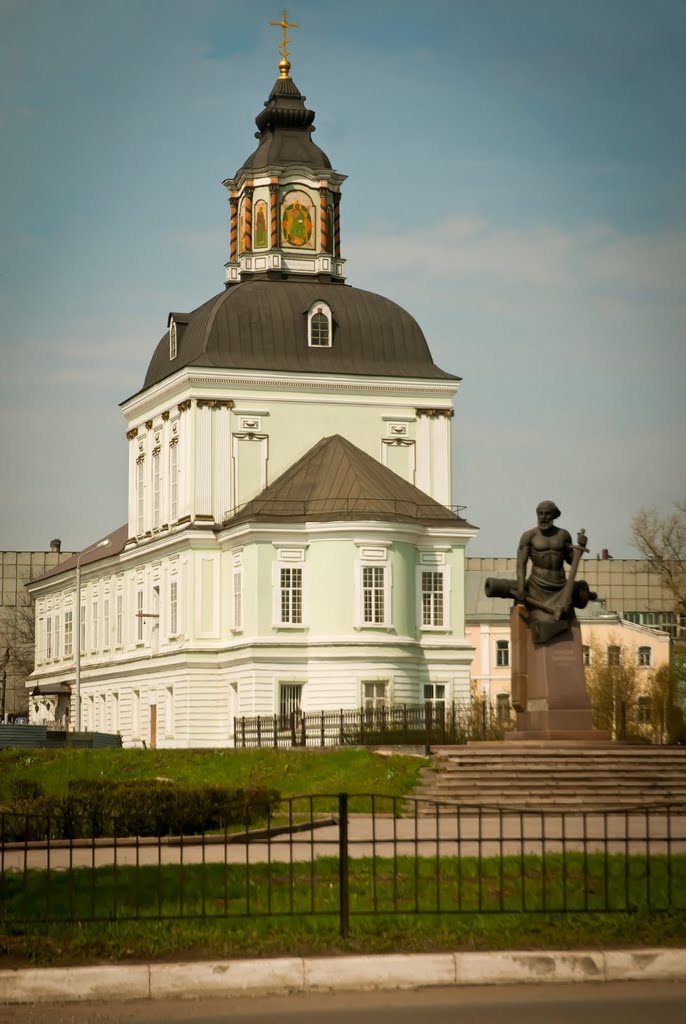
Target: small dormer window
319	326
172	340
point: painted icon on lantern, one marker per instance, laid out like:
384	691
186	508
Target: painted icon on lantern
296	220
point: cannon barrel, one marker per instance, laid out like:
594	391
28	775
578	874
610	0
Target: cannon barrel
495	586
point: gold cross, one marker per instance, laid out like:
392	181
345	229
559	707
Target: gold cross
285	24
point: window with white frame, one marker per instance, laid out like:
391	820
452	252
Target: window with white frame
119	621
139	616
94	626
82	630
237	595
172	340
56	637
374	694
434	693
432	597
644	657
106	623
319	326
48	638
290	700
68	633
136	714
140	495
291	594
174	481
173	608
156	488
115	712
169	711
502	653
373	594
586	654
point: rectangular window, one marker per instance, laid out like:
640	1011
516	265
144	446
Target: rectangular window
106	623
94	627
169	711
174	482
173	608
56	636
68	633
115	712
502	708
644	657
136	714
48	638
432	598
614	654
644	710
82	630
139	496
139	616
156	489
586	654
237	599
373	594
291	583
434	693
502	653
289	702
119	633
374	695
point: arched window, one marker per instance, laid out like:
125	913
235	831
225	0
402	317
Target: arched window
319	326
172	340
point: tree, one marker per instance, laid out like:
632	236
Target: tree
612	683
661	539
18	632
667	716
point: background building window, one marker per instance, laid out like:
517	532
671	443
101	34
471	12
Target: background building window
237	599
106	623
502	708
82	630
373	610
644	657
119	634
586	654
502	653
156	489
291	585
94	626
139	616
48	638
614	653
174	482
434	693
56	637
319	326
139	496
644	710
432	598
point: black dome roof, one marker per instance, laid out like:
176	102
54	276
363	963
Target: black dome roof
262	325
285	135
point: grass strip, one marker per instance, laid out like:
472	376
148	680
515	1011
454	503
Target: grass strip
281	908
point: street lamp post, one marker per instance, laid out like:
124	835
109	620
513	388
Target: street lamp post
4	660
77	639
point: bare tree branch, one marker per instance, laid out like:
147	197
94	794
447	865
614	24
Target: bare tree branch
661	539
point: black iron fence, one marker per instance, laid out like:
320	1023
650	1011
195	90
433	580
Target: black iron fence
406	724
346	857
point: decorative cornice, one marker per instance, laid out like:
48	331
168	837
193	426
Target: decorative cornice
130	434
215	403
165	416
184	406
433	413
148	424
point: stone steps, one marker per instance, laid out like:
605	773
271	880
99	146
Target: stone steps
562	776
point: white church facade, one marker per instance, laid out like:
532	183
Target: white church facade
290	541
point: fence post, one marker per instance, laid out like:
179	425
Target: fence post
243	729
622	720
303	729
321	728
405	723
259	731
343	893
293	736
276	732
484	720
341	733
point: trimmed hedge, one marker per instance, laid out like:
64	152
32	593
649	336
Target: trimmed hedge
95	808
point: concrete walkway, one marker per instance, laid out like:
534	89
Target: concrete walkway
231	978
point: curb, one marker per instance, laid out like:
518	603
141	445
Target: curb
285	975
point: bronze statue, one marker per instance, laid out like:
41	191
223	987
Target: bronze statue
548	595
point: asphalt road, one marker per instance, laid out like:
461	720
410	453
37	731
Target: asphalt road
609	1003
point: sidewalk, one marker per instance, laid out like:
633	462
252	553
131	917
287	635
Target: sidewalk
226	978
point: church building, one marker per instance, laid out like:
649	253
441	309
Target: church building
290	541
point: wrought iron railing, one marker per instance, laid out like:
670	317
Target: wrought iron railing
348	857
398	724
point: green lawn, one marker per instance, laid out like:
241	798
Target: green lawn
294	909
292	772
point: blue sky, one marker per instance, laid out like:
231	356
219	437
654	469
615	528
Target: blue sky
517	180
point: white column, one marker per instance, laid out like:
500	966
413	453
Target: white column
222	503
440	428
423	473
203	460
